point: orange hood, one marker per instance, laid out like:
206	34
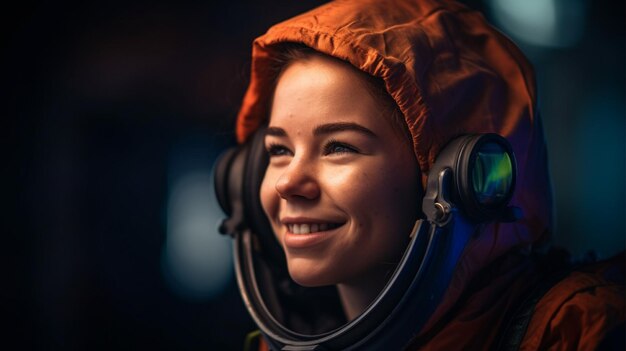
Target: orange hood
450	73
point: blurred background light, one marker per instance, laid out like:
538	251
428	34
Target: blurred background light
551	23
197	260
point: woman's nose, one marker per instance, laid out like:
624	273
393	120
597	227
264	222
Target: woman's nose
298	181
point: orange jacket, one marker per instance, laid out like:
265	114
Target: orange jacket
581	311
451	73
578	312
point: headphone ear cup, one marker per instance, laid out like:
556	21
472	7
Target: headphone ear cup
486	176
256	164
476	174
221	175
228	180
238	175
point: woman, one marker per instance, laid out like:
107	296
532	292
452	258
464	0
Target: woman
355	235
332	145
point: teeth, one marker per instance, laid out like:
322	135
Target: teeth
305	228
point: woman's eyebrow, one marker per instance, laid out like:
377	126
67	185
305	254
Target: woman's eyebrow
275	131
340	127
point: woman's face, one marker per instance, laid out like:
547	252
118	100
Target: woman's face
341	189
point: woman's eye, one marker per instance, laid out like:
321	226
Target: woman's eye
277	150
336	147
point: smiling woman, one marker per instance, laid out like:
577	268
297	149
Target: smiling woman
327	165
391	190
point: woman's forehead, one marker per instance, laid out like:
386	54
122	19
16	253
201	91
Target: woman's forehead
319	91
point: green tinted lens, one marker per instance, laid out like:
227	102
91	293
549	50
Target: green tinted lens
492	175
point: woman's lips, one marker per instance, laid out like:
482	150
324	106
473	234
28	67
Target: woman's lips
304	235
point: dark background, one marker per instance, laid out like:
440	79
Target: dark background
109	105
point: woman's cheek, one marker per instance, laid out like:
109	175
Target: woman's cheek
344	178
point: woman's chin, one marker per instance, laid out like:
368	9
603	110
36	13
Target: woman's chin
310	275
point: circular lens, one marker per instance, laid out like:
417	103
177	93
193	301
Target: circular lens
492	174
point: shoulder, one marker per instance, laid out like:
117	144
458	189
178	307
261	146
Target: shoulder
581	311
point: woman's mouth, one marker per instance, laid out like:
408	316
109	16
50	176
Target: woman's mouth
308	228
306	235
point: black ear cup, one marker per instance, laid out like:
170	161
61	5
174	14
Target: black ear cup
223	170
474	174
238	176
487	175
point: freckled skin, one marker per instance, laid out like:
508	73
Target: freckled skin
374	191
